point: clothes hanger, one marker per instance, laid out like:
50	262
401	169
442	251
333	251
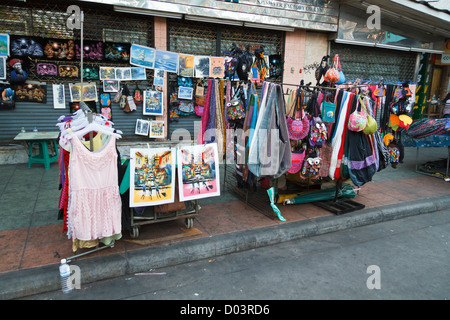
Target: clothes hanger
93	126
80	123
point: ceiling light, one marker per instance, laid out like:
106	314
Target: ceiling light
213	20
268	26
148	12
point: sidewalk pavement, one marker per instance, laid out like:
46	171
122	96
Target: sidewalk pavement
32	242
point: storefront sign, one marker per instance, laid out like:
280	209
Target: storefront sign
445	59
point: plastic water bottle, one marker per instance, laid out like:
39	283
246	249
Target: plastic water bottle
64	272
35	129
22	129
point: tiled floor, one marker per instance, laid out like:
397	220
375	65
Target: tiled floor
31	235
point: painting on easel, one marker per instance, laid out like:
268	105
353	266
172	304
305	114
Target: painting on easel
152	176
198	172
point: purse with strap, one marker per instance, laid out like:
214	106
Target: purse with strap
332	74
297	128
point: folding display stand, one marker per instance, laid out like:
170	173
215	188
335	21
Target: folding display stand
151	216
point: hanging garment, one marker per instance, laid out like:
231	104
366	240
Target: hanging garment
95	205
338	139
205	115
361	164
270	152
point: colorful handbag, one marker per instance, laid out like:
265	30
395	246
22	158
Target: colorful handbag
297	161
235	107
199	110
118	96
357	121
332	74
186	109
297	128
328	110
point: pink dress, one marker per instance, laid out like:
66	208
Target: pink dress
95	206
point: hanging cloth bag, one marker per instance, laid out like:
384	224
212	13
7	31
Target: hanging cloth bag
332	74
236	107
341	74
297	128
357	120
371	126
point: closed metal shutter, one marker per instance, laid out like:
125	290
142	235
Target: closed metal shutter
373	64
200	38
48	19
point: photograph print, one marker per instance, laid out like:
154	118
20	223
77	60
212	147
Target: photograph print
152	176
198	171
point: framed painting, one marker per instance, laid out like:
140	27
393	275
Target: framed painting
153	103
138	74
142	127
142	56
152	176
46	69
156	129
185	93
201	66
89	92
2	68
217	67
107	73
198	172
166	60
31	93
23	46
59	96
186	65
4	45
111	85
117	52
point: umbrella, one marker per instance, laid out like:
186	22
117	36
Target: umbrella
325	194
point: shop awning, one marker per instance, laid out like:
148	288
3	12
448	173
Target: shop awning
411	25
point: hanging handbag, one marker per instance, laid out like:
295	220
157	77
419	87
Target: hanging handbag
357	120
371	126
341	74
118	96
235	108
137	96
297	128
328	111
297	161
332	74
